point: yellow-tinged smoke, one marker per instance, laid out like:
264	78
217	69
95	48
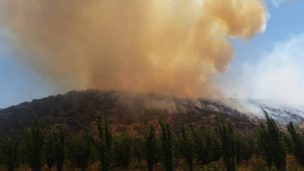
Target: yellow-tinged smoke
174	47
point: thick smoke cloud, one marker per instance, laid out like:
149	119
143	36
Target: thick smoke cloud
174	47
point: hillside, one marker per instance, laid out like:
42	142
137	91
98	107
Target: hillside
127	111
130	112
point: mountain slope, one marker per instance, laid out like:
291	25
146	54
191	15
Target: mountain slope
128	112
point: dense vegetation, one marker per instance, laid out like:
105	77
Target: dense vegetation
220	147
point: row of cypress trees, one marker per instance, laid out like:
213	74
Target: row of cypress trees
55	149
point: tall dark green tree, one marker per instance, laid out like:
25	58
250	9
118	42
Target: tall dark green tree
80	151
104	143
60	148
9	152
167	145
34	144
297	143
186	146
151	148
123	151
227	138
207	145
138	149
264	145
270	143
244	147
50	151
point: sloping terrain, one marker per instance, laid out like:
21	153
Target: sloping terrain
128	112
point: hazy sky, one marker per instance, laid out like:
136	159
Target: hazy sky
268	66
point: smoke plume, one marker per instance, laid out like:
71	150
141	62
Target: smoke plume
173	47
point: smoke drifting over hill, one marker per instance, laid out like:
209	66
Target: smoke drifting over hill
173	47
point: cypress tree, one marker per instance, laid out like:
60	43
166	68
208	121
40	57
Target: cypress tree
80	150
59	145
123	152
244	146
151	148
104	144
167	145
138	149
9	151
186	146
50	151
265	145
206	145
297	143
227	138
270	142
34	144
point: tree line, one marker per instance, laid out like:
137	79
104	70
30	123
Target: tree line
160	148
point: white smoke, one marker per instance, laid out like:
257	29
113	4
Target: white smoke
278	75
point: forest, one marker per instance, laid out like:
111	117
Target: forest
219	147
